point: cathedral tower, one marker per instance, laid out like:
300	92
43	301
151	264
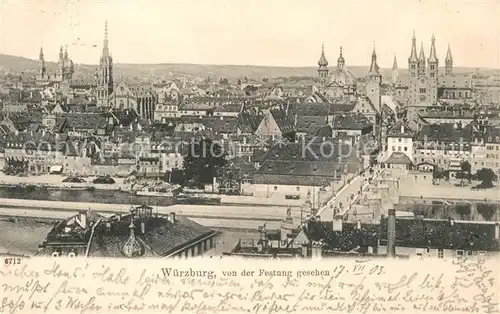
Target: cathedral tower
421	61
105	73
413	59
433	71
448	62
323	67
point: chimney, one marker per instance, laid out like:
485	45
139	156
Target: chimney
402	128
497	231
108	226
172	217
391	233
143	227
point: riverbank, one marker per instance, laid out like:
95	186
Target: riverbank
54	183
260	213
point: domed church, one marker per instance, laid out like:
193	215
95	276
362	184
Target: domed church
64	72
338	83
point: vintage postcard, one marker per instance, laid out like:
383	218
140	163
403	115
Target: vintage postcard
249	156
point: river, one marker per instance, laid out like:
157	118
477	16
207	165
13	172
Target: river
88	196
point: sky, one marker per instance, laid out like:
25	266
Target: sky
252	32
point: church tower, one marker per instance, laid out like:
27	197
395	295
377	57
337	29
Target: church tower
105	73
413	62
433	71
373	85
448	62
41	61
323	67
395	74
340	60
421	61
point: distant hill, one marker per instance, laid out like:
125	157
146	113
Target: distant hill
16	64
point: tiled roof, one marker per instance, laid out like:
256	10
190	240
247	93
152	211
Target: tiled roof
395	131
398	158
432	233
348	239
248	122
320	108
292	164
282	121
219	126
351	121
161	237
89	121
235	107
445	132
310	124
125	117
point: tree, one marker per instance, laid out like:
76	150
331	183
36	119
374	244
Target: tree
466	168
486	176
203	161
486	210
463	210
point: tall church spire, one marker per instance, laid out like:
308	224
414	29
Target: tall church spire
395	73
395	63
105	72
105	48
421	60
413	54
40	56
432	56
421	56
448	62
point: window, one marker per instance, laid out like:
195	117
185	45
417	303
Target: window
275	187
298	189
399	140
440	253
394	148
460	254
406	149
422	90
